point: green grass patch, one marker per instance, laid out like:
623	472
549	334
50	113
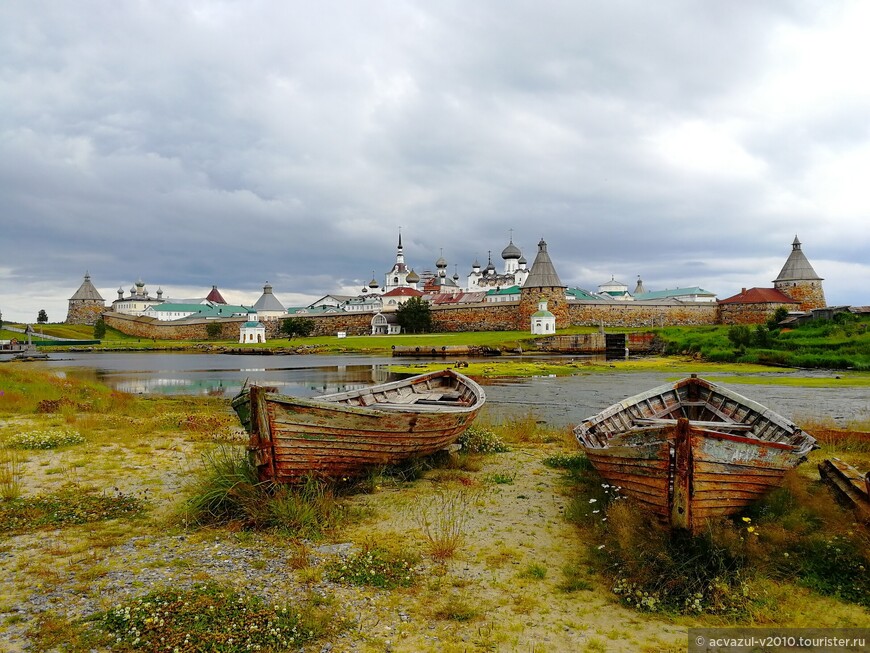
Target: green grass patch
534	571
843	379
213	618
838	344
499	478
574	579
27	390
458	607
375	567
45	438
65	508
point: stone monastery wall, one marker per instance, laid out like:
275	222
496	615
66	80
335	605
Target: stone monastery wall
499	316
631	314
151	327
749	313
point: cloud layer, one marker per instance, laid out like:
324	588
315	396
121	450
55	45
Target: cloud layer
230	143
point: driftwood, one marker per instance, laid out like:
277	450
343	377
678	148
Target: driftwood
848	484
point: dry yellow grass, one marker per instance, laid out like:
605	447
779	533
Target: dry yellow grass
500	588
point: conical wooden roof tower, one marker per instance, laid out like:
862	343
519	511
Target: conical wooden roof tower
86	304
799	280
543	285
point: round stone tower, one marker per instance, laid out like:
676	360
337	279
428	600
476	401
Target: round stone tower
543	285
86	305
798	280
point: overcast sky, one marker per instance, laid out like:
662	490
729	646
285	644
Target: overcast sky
235	143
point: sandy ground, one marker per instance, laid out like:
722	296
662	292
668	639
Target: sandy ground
515	524
511	526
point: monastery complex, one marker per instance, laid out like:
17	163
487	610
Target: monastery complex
514	298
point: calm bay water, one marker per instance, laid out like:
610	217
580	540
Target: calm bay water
559	401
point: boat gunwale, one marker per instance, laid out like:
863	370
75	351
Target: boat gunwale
333	402
588	438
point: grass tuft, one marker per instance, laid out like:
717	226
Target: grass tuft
228	491
457	607
443	517
11	471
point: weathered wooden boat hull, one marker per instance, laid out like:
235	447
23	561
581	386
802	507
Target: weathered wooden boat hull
691	451
342	435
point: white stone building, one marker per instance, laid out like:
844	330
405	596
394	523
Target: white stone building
252	332
137	301
543	321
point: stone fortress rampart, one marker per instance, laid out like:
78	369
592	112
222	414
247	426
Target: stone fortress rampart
502	316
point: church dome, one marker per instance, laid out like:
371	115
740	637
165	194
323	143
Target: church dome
511	251
440	263
412	277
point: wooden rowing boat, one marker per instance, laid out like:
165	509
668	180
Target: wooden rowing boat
341	435
692	450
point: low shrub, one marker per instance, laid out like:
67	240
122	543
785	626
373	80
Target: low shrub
478	439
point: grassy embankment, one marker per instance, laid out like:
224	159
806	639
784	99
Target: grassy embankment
142	515
843	343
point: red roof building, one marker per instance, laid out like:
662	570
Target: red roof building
754	306
759	296
215	296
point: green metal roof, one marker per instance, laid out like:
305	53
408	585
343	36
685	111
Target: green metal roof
675	292
510	290
179	308
542	314
579	293
224	310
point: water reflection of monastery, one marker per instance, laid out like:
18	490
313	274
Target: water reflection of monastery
307	382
